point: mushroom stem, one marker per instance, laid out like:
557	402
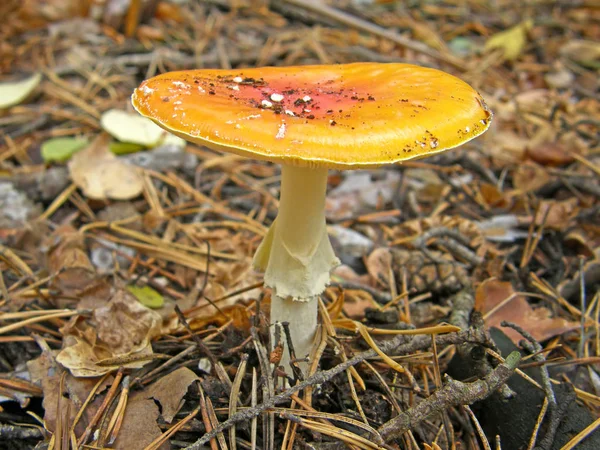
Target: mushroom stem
297	256
303	322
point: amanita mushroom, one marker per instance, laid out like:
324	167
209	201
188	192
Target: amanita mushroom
310	119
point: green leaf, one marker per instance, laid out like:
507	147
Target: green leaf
62	148
147	296
14	92
124	148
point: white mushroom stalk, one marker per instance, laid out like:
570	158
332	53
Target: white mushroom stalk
297	257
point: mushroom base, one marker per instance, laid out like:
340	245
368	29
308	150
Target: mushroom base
296	254
303	320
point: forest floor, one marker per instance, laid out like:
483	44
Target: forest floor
466	313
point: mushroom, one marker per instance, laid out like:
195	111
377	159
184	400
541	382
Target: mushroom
310	119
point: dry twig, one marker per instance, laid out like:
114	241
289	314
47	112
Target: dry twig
452	394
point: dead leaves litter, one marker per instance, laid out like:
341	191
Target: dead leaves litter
498	301
101	175
140	426
120	336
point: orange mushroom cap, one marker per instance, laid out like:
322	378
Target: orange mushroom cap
337	116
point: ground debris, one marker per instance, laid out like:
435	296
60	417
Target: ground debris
16	209
501	229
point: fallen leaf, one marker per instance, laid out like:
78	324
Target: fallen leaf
379	266
170	390
494	197
534	100
125	325
560	79
529	177
47	373
507	146
162	398
559	214
119	335
132	128
511	41
102	176
147	296
585	239
15	92
88	359
550	154
346	273
356	302
61	149
240	317
499	299
584	53
140	426
68	263
96	294
124	148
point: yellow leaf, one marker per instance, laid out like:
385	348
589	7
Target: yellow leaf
147	296
511	41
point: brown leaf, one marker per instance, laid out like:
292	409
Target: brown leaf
585	239
241	317
559	213
356	302
550	154
67	260
96	294
506	146
125	324
494	197
139	424
121	337
529	177
101	175
515	308
379	264
585	53
170	390
348	274
45	371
